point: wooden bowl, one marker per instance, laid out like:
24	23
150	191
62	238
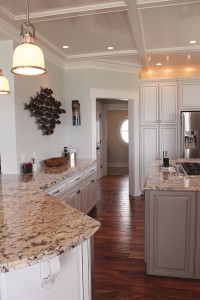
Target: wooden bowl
55	161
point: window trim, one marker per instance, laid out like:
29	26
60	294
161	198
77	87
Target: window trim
119	131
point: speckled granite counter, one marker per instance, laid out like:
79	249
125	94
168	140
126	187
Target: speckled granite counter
35	226
162	180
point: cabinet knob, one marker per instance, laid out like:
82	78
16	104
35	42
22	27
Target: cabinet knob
78	192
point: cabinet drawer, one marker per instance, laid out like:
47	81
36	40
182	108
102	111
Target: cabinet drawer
90	171
76	179
57	188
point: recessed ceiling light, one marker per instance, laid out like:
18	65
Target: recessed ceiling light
192	42
110	47
158	64
66	47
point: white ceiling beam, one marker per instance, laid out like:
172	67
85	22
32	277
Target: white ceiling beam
144	4
137	30
74	11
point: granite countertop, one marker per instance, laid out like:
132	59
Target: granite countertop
161	179
35	226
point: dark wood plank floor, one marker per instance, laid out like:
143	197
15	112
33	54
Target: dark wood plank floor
119	250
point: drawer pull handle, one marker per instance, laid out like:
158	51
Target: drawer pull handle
77	179
78	192
56	192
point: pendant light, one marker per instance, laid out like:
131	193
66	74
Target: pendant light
28	59
4	85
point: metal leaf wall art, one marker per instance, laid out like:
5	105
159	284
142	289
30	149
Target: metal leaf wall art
46	110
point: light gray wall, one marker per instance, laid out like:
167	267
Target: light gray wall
78	85
19	134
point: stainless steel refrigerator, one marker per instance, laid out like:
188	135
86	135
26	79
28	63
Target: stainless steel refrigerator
190	125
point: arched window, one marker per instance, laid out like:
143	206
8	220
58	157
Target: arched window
123	131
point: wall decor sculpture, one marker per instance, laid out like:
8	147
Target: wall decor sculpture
46	110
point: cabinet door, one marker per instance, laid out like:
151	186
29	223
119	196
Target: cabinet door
197	258
80	199
149	150
168	103
90	194
190	95
171	234
149	104
168	141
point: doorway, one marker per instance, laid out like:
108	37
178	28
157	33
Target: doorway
133	115
112	148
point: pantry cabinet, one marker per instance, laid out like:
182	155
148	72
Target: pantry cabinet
158	103
158	124
171	240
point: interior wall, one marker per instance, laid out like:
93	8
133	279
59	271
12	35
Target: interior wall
19	134
117	152
7	114
79	82
30	139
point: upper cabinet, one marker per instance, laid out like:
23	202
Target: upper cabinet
189	92
158	103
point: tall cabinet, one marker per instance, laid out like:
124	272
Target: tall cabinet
158	123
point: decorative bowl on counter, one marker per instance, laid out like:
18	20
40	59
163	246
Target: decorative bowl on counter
55	161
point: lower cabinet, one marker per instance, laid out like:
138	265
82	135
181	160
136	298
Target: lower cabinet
75	197
66	276
79	190
171	234
90	194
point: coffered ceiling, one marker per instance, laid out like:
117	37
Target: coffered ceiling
142	32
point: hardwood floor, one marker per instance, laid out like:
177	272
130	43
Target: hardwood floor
119	250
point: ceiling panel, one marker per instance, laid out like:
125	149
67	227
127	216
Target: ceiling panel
171	26
89	34
142	32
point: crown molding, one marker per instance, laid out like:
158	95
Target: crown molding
177	49
74	11
117	67
103	54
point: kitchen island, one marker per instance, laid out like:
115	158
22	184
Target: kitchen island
172	223
45	244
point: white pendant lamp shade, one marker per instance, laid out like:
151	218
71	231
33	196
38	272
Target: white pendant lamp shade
4	85
28	59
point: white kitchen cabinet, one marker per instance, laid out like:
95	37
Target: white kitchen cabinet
149	104
158	124
189	92
90	189
149	150
170	233
158	103
155	140
67	276
197	252
79	190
